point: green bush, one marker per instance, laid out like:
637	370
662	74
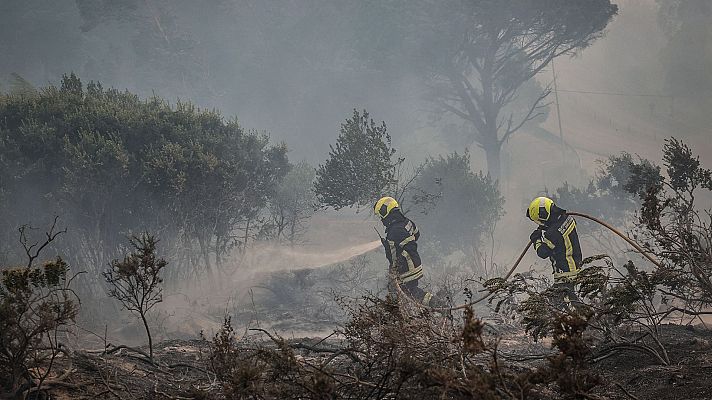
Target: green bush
111	163
453	206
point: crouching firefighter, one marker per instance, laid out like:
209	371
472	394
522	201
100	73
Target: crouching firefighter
556	239
402	249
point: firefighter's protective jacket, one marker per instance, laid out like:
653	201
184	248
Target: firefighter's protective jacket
558	241
402	247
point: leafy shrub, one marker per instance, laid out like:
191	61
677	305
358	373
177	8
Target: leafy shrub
453	206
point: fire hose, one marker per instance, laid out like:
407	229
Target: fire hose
624	237
519	259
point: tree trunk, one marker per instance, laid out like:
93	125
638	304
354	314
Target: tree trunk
205	251
494	167
148	332
490	113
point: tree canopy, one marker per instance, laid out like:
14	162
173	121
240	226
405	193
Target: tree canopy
476	55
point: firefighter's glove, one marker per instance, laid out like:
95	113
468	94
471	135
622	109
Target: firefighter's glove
538	234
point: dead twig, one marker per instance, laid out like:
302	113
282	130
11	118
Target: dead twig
183	365
627	393
164	394
134	349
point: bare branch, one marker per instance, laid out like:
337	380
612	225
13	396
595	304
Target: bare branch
530	115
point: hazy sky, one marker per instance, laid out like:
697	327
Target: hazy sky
295	69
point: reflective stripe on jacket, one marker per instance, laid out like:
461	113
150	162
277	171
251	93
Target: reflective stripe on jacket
402	248
560	243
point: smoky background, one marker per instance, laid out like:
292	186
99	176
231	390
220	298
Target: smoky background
296	69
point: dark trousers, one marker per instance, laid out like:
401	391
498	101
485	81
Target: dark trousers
568	298
411	290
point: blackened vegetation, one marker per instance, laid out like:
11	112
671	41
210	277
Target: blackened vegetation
389	349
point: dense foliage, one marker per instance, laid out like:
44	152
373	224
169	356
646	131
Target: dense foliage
110	163
360	166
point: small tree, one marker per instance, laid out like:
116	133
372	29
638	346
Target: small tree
675	228
360	167
135	281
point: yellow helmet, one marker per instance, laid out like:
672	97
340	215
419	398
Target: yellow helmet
539	209
384	206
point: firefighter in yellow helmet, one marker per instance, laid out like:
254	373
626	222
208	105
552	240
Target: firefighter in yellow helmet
402	248
556	239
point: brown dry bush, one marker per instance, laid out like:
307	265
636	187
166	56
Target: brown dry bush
390	350
36	303
616	311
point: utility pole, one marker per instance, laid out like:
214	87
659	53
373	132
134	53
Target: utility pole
558	115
